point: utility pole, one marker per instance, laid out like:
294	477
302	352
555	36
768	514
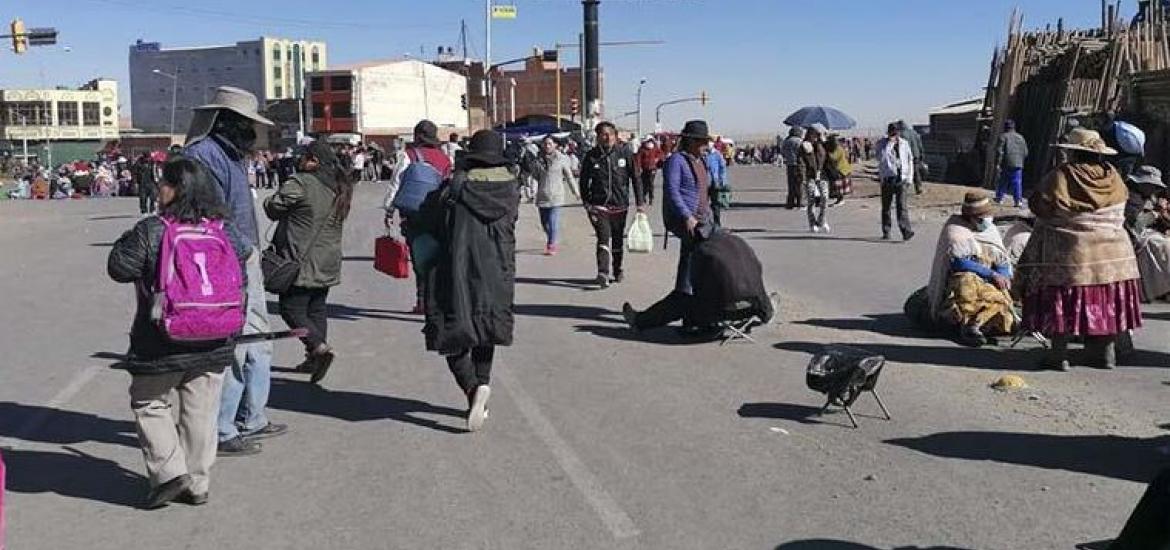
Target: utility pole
487	62
641	83
592	61
463	36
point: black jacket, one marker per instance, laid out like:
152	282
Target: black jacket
727	276
469	293
607	178
134	259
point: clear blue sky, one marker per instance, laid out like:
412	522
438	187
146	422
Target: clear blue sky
758	59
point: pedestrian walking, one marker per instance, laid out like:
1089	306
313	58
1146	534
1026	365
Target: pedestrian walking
175	385
1078	275
1011	152
896	172
790	153
452	147
916	151
470	291
358	165
838	169
813	160
649	160
423	163
144	173
608	178
221	136
310	210
686	208
719	190
554	175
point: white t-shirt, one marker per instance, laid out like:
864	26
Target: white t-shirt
359	161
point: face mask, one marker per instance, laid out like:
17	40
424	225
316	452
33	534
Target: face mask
238	130
986	223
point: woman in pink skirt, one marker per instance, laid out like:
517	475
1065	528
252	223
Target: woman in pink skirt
1078	275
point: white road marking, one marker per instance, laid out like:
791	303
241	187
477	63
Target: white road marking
62	397
612	515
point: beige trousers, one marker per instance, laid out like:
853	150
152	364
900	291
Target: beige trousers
177	430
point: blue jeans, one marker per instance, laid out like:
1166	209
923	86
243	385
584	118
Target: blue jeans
246	384
550	220
1011	179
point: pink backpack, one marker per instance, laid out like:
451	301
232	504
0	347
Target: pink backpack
199	295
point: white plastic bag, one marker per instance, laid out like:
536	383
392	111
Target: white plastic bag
641	237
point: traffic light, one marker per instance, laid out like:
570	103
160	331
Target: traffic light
463	101
19	39
703	98
41	36
549	56
574	106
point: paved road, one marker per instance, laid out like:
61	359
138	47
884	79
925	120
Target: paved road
598	438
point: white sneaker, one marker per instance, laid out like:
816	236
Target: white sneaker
478	412
825	227
815	229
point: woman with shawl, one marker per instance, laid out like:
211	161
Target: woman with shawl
971	275
1078	276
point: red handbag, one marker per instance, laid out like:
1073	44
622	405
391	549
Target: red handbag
392	257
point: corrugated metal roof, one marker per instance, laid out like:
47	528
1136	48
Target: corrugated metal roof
973	103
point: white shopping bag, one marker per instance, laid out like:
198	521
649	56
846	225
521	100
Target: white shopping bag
640	239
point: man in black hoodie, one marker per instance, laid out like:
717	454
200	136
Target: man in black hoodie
608	174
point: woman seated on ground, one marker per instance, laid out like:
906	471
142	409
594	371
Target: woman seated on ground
971	275
1147	218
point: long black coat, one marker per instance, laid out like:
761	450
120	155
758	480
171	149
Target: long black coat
470	292
727	277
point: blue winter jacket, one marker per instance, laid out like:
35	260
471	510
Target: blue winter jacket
226	164
717	167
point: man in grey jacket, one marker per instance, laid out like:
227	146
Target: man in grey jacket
1011	152
790	152
221	135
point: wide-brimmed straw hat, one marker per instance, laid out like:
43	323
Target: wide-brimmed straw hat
977	205
1082	139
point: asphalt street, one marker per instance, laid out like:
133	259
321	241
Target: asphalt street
598	437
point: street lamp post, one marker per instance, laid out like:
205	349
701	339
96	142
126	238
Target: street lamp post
512	97
641	83
174	95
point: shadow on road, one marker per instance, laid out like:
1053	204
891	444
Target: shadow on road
577	284
666	336
62	427
830	544
990	358
796	413
342	312
566	311
369	259
889	324
75	475
1163	316
735	205
822	237
303	397
102	245
115	217
1127	458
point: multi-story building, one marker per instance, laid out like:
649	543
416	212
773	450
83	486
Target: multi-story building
272	68
61	123
535	89
385	99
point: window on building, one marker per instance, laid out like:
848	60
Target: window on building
276	53
317	83
67	113
278	92
318	110
30	113
341	83
342	109
316	57
276	72
90	113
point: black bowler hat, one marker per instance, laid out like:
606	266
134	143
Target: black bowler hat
695	129
486	148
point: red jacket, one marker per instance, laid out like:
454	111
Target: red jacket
649	160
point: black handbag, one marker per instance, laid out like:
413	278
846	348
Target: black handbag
281	269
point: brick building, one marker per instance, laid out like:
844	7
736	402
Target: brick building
536	90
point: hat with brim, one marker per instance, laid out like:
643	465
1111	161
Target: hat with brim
696	129
426	133
486	148
819	128
976	205
1082	139
1147	175
227	98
